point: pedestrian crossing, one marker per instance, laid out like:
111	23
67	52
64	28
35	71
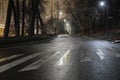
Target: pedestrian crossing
100	54
113	52
35	65
10	57
85	56
24	59
17	62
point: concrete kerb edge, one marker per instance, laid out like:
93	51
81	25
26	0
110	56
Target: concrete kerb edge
51	38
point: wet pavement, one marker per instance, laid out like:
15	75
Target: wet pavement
64	58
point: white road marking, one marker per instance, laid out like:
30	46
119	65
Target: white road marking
100	54
85	57
114	53
17	62
38	63
10	57
9	48
63	58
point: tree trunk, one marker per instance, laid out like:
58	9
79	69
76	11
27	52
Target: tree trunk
16	18
8	19
23	17
32	20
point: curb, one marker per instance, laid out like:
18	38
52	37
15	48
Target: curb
8	44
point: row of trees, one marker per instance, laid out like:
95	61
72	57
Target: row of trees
87	16
25	17
30	17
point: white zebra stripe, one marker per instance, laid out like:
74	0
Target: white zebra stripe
10	57
85	57
100	54
114	52
17	62
38	63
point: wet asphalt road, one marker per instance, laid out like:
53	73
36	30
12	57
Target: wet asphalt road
64	58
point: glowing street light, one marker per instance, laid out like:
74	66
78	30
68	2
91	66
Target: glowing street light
65	20
60	13
102	3
67	24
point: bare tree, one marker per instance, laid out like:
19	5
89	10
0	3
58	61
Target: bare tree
80	14
25	12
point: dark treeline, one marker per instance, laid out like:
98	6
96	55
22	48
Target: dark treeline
25	17
88	16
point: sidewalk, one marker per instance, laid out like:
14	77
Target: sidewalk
111	36
25	40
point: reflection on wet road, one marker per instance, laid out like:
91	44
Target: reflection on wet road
64	58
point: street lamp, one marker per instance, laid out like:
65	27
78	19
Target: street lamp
65	20
68	27
102	3
67	24
60	13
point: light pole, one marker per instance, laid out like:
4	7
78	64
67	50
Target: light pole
52	23
60	14
104	5
57	4
51	5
